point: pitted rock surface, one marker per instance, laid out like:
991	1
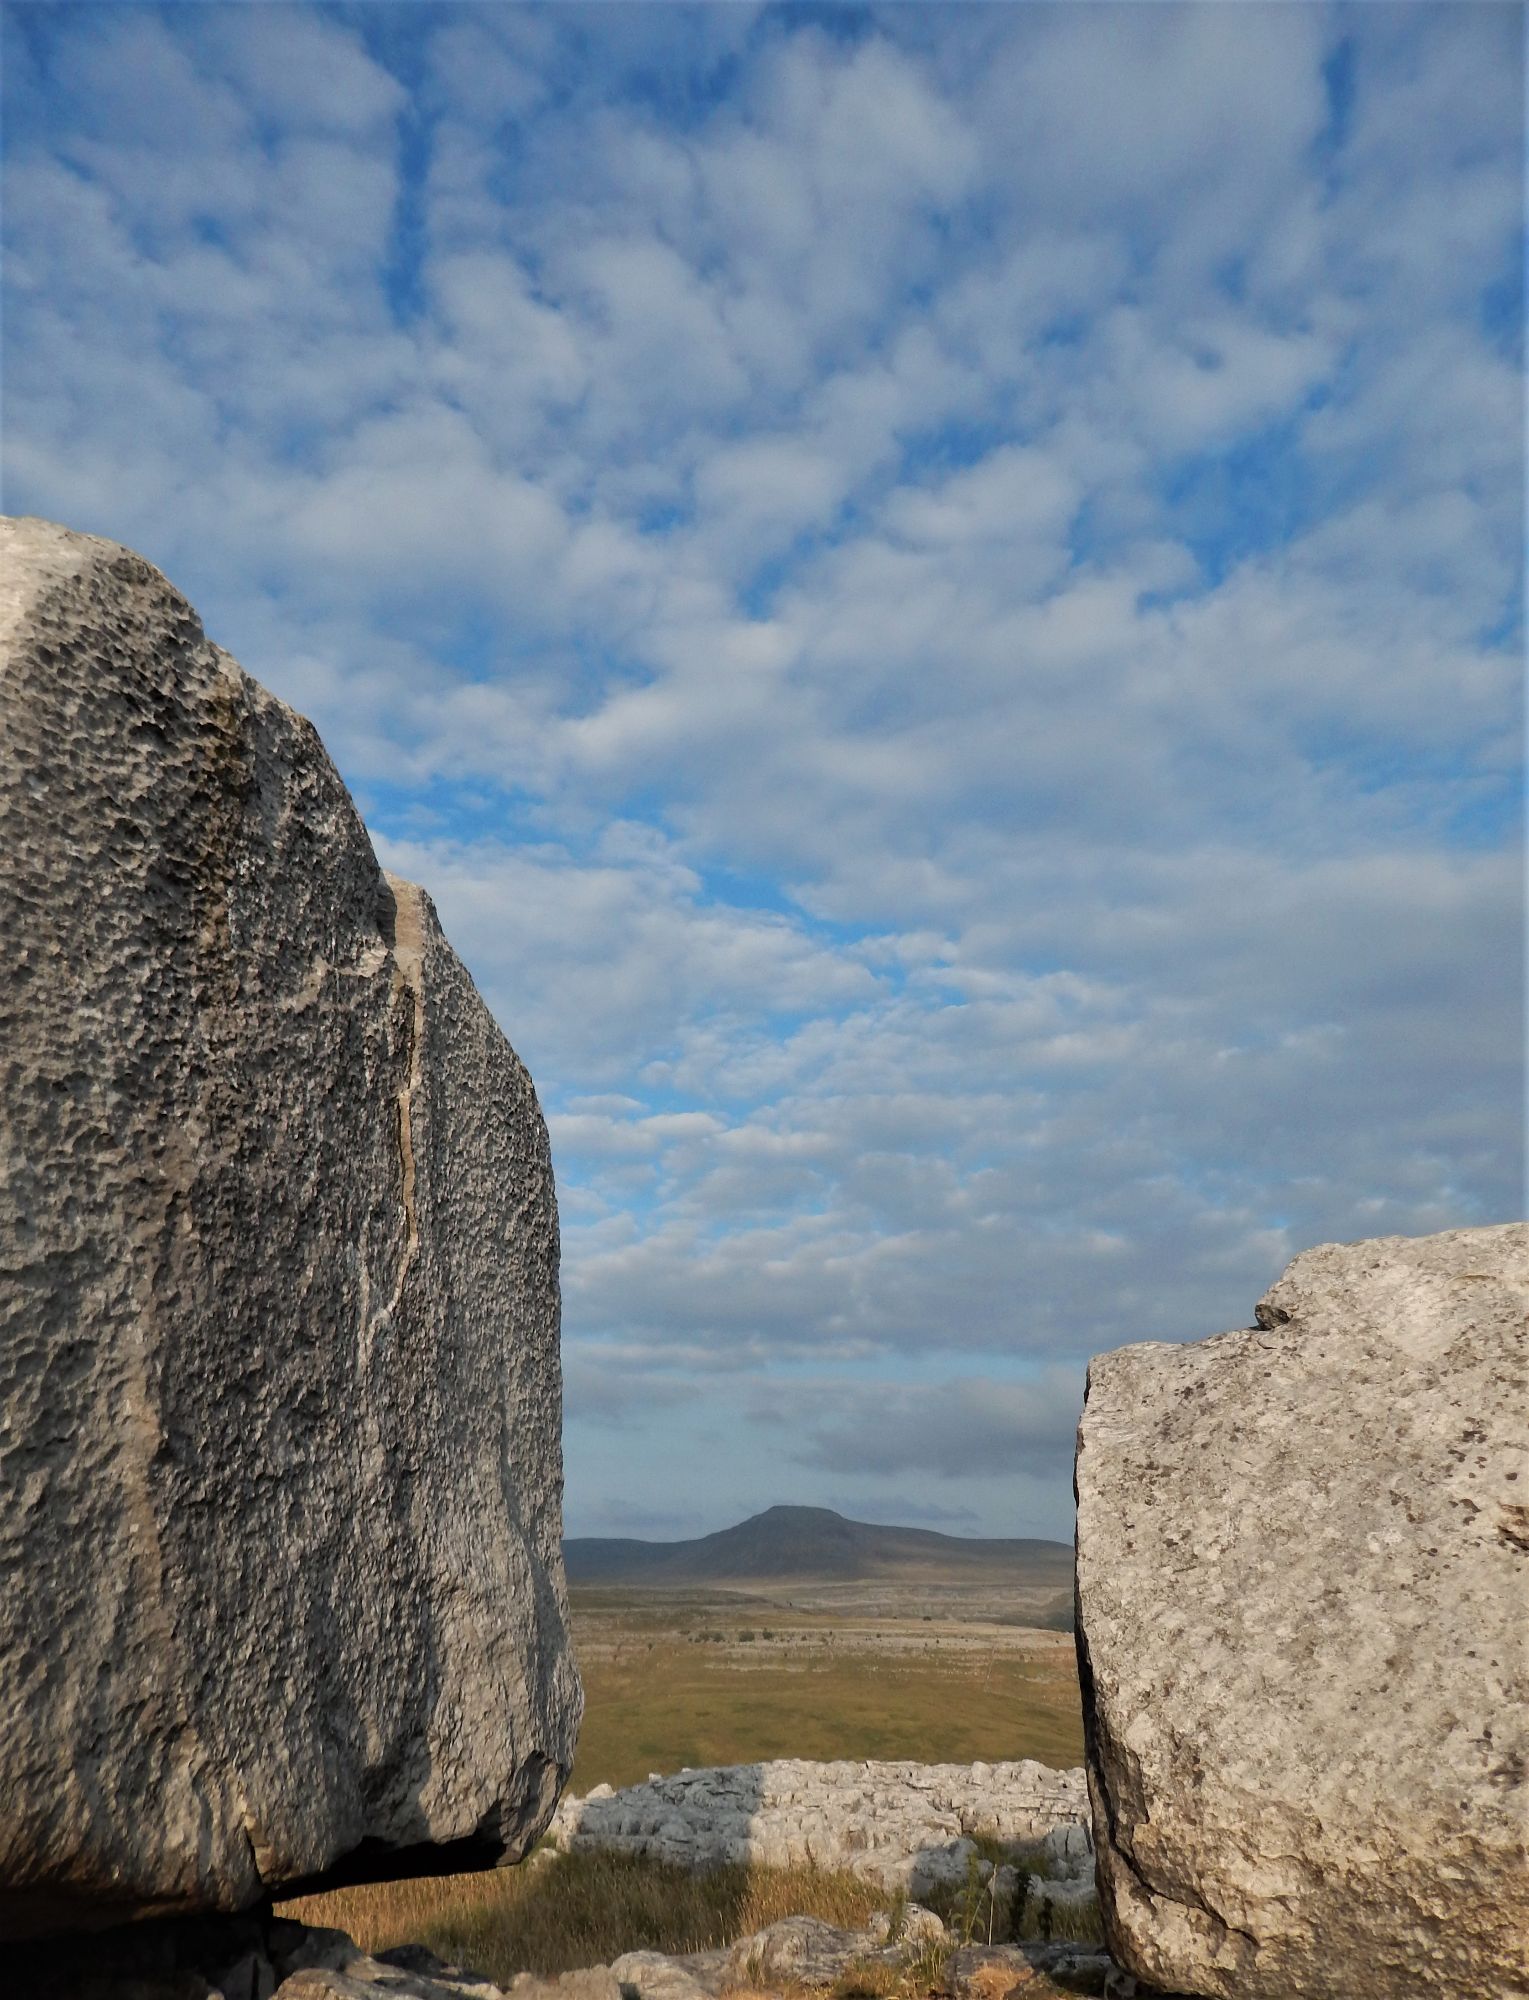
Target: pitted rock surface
280	1557
903	1824
657	1975
796	1951
1303	1588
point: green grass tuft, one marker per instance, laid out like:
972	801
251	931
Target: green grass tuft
584	1909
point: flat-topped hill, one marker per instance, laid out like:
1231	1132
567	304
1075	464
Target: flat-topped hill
815	1544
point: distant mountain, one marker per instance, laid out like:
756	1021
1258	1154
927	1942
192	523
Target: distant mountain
814	1544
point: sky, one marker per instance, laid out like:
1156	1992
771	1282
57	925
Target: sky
935	595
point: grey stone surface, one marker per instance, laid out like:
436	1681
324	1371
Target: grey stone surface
407	1972
374	1979
656	1975
797	1951
902	1824
917	1925
1303	1586
280	1455
596	1982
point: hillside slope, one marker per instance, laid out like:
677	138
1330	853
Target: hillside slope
814	1543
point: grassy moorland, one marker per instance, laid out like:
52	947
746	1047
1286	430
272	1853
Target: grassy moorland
716	1682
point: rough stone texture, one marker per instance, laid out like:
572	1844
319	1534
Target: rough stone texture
656	1975
804	1954
280	1473
1303	1592
905	1825
596	1982
796	1951
409	1972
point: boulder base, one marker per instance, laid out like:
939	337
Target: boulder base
281	1587
1303	1598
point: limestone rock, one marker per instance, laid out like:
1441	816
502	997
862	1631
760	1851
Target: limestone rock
384	1978
796	1951
902	1824
1303	1589
1025	1972
916	1925
595	1982
281	1588
656	1975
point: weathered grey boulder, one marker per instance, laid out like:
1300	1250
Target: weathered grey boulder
656	1975
1303	1590
281	1590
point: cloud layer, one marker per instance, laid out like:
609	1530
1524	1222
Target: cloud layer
935	595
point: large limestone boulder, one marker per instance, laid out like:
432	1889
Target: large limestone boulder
1303	1598
281	1590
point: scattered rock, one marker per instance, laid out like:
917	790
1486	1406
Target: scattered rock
413	1961
1303	1633
650	1975
1028	1971
916	1925
282	1594
376	1979
797	1951
596	1982
251	1957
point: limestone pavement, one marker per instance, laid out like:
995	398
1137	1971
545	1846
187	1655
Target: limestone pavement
905	1825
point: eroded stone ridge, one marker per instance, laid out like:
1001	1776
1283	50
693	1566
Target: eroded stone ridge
1303	1589
281	1584
906	1825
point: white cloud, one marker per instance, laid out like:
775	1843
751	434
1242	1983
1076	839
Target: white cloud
954	1429
928	602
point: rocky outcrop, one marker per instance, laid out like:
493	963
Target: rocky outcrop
281	1592
287	1961
250	1957
905	1825
1303	1591
804	1954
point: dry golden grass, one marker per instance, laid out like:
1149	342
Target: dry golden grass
564	1911
661	1705
660	1695
569	1910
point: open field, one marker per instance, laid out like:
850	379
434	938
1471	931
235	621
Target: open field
720	1677
712	1676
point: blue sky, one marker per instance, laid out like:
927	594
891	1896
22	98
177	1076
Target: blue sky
935	595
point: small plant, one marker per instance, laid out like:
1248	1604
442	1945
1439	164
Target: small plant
974	1913
897	1916
1020	1898
978	1911
1067	1922
925	1967
992	1847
